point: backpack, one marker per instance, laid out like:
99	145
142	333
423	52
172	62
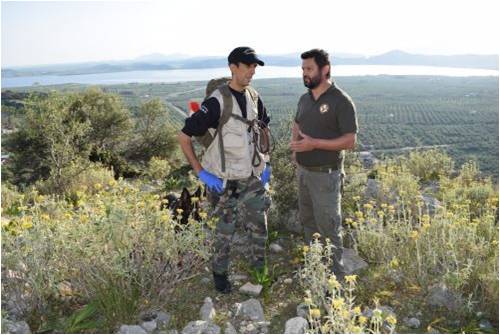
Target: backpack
226	112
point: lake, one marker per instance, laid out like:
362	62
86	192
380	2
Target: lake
171	76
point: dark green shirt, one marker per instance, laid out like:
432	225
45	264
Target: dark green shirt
329	117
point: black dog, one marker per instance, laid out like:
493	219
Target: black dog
185	203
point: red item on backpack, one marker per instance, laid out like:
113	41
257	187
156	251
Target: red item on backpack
194	106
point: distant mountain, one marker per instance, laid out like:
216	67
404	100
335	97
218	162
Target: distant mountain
158	61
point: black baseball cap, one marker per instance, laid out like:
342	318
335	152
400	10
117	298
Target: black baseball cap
245	55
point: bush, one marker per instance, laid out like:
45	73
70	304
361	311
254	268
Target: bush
117	249
430	164
158	169
332	307
62	132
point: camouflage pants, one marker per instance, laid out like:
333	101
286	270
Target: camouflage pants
243	204
319	209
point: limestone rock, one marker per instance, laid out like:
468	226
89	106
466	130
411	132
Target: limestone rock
297	325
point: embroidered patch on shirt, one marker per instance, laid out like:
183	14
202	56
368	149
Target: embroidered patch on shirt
324	108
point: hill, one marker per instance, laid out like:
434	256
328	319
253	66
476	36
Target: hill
162	62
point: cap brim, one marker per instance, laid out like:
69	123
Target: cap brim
253	61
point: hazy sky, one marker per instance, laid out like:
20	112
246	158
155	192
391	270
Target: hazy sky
70	31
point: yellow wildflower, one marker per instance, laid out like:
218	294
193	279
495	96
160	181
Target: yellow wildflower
333	283
97	186
345	314
315	313
380	214
26	222
394	262
362	320
356	330
391	320
203	215
357	310
356	198
359	214
351	279
305	249
384	206
195	199
45	217
337	303
425	226
308	301
368	207
414	235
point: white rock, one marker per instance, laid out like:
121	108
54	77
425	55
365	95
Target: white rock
149	326
288	281
250	309
297	325
229	328
131	329
18	327
302	310
162	319
201	327
352	262
275	247
412	322
207	311
251	289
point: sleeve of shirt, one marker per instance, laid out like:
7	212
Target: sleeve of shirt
207	117
347	118
262	112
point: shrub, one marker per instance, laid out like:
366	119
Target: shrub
117	249
332	307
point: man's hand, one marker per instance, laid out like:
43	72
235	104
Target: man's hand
307	143
213	182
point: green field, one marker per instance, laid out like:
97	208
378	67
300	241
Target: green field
395	113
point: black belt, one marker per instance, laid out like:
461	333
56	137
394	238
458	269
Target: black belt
325	168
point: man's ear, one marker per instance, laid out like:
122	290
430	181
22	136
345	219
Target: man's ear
233	67
325	70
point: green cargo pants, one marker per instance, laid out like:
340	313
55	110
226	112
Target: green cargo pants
319	209
244	203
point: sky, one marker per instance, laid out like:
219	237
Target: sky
36	33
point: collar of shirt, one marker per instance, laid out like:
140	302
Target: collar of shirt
332	87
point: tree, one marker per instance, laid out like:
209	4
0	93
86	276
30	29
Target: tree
153	137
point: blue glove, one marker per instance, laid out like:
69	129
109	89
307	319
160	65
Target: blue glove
213	183
266	175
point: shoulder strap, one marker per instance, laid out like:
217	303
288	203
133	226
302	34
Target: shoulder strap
225	114
227	105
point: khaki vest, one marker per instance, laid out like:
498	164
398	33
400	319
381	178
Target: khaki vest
238	144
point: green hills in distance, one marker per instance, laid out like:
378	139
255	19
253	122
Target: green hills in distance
168	62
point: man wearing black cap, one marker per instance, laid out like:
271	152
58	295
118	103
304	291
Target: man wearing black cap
233	168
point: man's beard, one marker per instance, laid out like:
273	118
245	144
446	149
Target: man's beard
313	82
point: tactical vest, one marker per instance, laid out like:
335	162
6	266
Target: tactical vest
240	159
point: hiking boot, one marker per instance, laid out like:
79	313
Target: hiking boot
221	282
